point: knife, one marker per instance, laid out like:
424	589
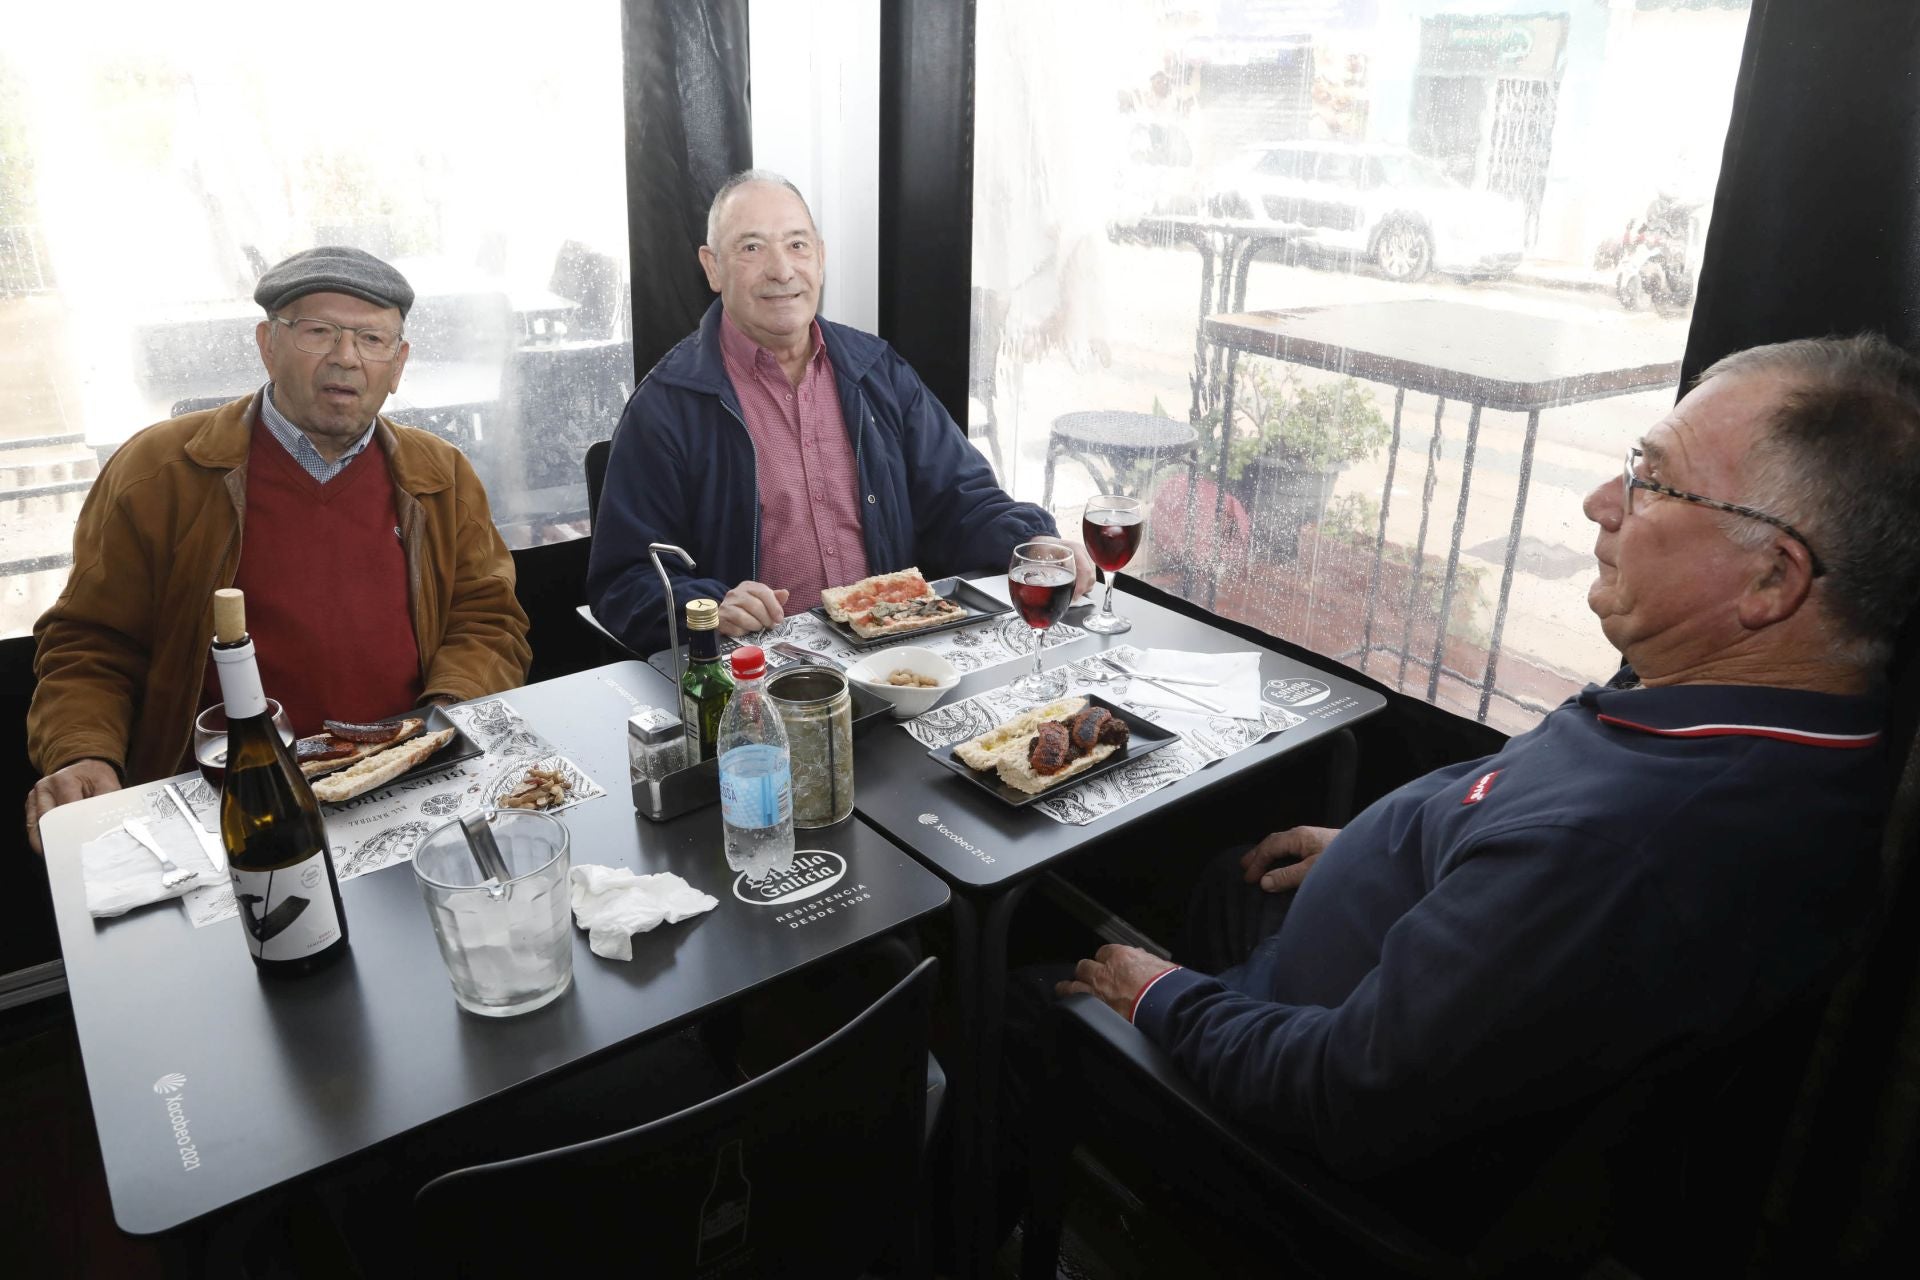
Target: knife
210	844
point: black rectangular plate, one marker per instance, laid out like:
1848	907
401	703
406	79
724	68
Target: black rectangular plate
868	708
1144	737
459	749
978	604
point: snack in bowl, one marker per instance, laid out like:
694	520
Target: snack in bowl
344	744
888	604
876	674
1044	747
382	767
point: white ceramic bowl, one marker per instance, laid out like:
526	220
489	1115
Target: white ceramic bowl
908	701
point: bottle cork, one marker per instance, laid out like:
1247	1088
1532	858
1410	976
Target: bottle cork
229	615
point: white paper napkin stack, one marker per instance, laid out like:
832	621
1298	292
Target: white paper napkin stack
120	874
1236	678
613	903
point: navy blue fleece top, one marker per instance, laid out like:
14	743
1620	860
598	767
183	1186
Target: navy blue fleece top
1645	870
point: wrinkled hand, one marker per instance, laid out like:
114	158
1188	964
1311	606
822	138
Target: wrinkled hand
76	781
1115	974
1082	566
1296	847
750	607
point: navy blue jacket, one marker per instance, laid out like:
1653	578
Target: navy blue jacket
1645	874
682	470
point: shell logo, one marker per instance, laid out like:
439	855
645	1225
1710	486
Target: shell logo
172	1082
929	819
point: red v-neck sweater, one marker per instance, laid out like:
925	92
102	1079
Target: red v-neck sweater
325	574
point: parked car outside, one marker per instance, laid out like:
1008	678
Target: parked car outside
1386	203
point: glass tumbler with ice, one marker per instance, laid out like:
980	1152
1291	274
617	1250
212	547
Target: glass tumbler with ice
508	947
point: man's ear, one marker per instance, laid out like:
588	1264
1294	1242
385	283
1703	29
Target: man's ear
261	332
711	265
1781	588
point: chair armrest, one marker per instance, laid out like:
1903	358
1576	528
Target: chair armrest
1090	1033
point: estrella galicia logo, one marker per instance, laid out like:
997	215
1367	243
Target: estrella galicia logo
172	1082
1296	692
814	871
929	819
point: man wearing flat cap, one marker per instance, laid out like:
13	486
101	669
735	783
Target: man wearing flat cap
374	578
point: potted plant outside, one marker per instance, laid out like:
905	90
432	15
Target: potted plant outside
1290	442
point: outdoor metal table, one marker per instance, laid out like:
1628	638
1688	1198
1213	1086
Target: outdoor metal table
1490	358
992	853
269	1080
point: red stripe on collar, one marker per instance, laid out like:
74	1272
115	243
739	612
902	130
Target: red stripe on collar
1806	738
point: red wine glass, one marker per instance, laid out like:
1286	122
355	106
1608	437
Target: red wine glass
1040	583
1111	527
210	740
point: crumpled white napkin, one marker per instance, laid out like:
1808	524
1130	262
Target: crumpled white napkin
119	874
613	903
1237	677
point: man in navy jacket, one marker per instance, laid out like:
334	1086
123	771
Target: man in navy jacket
785	453
1660	867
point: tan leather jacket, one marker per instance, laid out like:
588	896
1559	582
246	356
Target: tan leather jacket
122	653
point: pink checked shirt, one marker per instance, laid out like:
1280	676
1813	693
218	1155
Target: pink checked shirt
809	485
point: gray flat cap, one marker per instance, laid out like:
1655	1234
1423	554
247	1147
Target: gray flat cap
333	269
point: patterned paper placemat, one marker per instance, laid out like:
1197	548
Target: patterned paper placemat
382	827
975	648
1204	738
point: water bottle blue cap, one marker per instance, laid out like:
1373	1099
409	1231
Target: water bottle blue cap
749	662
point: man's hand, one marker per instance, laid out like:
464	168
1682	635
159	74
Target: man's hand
1298	847
76	781
1115	974
1082	566
750	607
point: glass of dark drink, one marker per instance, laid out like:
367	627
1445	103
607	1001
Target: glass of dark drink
1040	584
1111	528
210	739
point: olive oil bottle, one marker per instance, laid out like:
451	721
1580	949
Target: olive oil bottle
705	687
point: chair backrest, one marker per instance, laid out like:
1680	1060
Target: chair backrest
810	1170
596	478
592	280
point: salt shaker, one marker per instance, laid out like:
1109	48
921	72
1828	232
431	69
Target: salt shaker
656	744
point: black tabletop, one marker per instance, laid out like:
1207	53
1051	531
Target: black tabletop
210	1083
1461	350
973	839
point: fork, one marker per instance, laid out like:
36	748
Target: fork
1214	707
172	876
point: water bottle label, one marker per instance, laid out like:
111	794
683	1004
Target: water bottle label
288	914
756	786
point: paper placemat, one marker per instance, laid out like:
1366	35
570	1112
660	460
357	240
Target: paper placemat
382	827
1204	738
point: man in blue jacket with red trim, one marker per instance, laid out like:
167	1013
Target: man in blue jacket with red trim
1658	868
785	453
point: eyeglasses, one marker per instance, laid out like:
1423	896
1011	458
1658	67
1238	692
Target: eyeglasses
1631	481
322	338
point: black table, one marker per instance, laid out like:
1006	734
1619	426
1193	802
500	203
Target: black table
992	853
1490	358
185	1046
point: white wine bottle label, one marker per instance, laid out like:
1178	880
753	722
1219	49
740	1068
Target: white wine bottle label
288	913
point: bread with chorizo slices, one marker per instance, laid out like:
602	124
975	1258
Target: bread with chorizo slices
380	768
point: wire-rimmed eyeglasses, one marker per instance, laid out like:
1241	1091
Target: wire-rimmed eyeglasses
1631	481
322	338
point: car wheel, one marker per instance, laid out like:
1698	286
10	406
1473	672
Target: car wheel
1404	252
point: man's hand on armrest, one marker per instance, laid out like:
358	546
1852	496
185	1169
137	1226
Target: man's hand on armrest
1117	974
1298	848
72	782
750	607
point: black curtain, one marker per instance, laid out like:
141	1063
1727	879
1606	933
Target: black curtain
1814	221
688	127
926	189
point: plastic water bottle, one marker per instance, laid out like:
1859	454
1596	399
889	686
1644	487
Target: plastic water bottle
756	774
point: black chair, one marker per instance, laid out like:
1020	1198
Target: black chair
596	478
813	1169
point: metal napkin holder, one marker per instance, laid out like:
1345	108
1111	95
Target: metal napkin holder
697	785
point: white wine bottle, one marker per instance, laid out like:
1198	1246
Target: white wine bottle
276	842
